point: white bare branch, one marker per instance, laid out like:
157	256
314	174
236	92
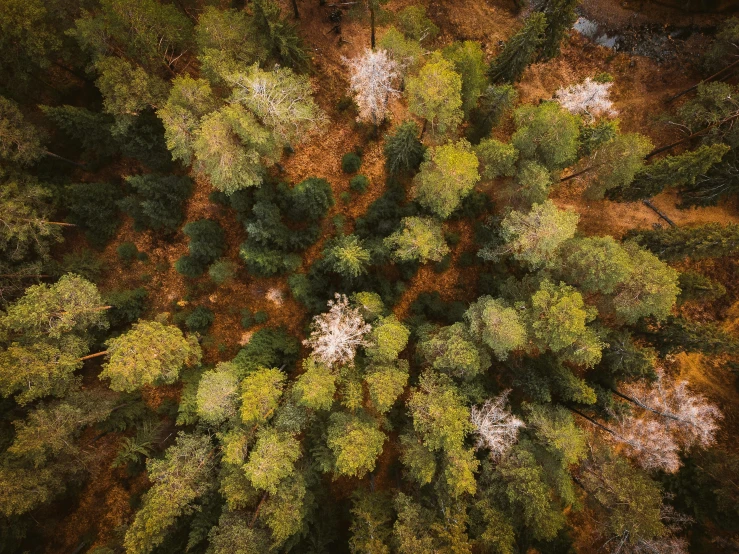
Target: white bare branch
371	83
496	427
336	334
589	97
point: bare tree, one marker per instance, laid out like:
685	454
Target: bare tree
336	334
373	75
589	97
496	427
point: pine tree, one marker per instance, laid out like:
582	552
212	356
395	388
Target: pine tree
420	239
157	201
497	325
711	240
356	443
546	133
519	51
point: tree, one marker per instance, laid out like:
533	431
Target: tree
272	460
677	334
386	383
157	201
403	150
496	325
178	480
128	89
93	207
261	391
650	289
519	51
189	101
347	256
439	414
316	387
452	351
436	95
335	335
72	305
498	159
227	39
673	171
282	100
406	53
558	316
372	83
356	443
415	24
281	36
149	353
217	394
388	339
20	141
535	237
206	245
547	134
711	240
468	60
419	238
494	103
230	148
310	199
496	427
447	176
594	264
370	529
589	98
561	16
617	163
533	182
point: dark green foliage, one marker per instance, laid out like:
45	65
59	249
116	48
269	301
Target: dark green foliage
359	183
403	150
623	359
93	208
595	135
200	319
249	319
695	286
281	36
127	306
430	306
142	137
560	16
718	183
350	162
384	214
495	102
269	347
91	130
127	253
519	51
676	334
156	201
83	262
206	245
673	171
310	200
711	240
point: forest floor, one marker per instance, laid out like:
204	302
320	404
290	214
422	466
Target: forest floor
641	85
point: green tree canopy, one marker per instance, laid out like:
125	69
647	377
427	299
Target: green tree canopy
356	442
496	325
419	238
436	95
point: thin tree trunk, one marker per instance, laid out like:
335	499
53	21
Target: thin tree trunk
256	512
687	90
59	223
423	129
22	276
644	406
696	134
91	356
591	420
372	25
58	157
563	179
295	9
648	203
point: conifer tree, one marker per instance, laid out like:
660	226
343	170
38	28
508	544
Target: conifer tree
497	325
561	16
347	256
403	150
546	133
418	239
519	51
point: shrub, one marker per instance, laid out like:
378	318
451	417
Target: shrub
189	267
350	163
200	319
310	199
261	317
222	271
128	305
345	197
359	183
127	252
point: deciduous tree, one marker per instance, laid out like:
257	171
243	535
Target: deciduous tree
436	95
419	238
496	427
372	83
336	334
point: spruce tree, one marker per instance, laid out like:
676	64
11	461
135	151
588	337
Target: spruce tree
519	51
561	16
403	150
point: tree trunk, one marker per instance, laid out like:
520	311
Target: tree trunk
687	90
372	28
295	9
91	356
58	157
648	204
696	134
